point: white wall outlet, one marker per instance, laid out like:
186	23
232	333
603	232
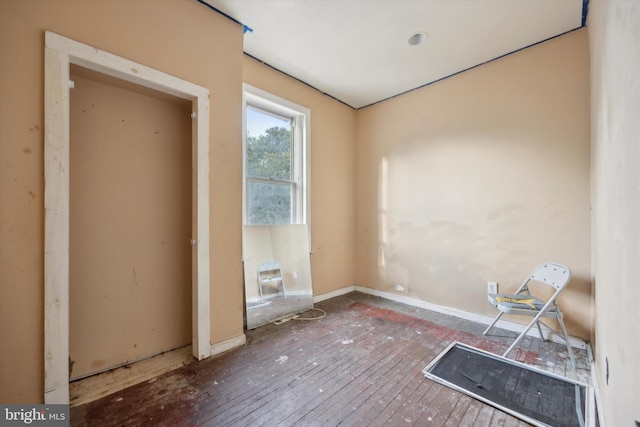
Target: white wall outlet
398	287
492	287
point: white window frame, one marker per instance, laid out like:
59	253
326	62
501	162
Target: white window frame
300	151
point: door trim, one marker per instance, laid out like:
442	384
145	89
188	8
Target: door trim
60	52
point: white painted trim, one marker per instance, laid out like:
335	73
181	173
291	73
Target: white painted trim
229	344
302	116
596	387
333	294
201	328
60	52
56	224
479	318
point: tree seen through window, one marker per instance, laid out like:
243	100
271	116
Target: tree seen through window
268	169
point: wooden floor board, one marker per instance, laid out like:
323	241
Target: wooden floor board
439	408
325	356
343	400
483	419
377	384
329	380
358	366
269	369
408	378
498	419
413	392
274	384
471	413
455	417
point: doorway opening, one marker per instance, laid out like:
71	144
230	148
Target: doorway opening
130	216
60	54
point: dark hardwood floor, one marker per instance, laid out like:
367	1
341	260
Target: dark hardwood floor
358	366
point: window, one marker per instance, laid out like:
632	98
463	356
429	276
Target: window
275	160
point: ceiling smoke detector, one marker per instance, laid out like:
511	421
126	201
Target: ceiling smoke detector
417	38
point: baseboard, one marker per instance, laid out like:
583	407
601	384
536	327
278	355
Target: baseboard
596	387
229	344
479	318
333	294
97	386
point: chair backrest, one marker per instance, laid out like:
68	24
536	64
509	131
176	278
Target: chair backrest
552	274
269	266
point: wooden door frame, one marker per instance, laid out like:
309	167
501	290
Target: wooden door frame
60	53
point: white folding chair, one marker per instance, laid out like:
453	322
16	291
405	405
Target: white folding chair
524	304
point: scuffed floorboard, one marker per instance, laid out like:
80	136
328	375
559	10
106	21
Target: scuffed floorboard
359	366
101	385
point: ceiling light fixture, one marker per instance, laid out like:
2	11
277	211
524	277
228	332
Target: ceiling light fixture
417	38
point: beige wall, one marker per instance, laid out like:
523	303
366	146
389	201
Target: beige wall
130	209
480	177
332	175
180	37
614	36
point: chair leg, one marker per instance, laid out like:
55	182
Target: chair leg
566	338
493	323
523	333
540	331
516	341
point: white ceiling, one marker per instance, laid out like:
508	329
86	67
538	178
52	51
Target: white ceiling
357	50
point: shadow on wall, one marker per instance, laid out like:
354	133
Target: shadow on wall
575	303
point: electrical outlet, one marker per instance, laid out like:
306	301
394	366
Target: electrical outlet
492	287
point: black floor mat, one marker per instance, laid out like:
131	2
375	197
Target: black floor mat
530	394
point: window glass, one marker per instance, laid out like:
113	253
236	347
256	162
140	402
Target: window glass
268	145
269	203
276	153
